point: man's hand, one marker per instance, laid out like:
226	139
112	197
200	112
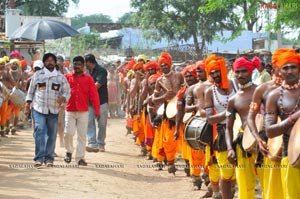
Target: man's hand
60	100
231	156
97	117
263	147
98	85
27	108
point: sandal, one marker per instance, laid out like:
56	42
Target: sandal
38	164
49	164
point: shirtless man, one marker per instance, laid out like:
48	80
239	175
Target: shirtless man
284	102
239	104
216	97
135	92
14	77
170	82
190	75
150	68
271	177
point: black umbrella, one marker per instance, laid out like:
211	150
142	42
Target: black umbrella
43	29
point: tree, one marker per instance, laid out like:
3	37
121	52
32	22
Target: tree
80	20
177	20
126	18
241	14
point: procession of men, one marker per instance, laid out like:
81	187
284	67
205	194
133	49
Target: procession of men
230	129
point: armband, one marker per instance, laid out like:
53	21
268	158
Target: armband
253	106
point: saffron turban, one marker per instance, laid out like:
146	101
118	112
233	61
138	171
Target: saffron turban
249	65
130	64
217	63
15	61
137	66
200	64
153	78
283	56
190	69
165	58
150	64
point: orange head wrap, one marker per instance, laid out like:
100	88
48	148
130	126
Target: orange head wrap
249	65
150	64
153	78
217	63
190	69
200	64
282	56
165	58
130	64
137	66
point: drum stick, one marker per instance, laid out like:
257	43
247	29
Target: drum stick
163	86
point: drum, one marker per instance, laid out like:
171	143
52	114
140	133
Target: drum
160	111
294	146
249	142
171	109
275	147
17	97
187	116
198	133
5	91
236	127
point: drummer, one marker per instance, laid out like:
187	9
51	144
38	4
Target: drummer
16	77
284	102
216	98
239	104
193	158
170	82
146	95
271	176
135	93
4	92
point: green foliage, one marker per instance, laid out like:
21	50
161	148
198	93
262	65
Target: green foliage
179	19
80	20
81	43
43	7
126	18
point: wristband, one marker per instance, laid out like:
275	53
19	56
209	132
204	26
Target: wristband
291	119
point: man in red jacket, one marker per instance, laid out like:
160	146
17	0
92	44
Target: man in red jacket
83	89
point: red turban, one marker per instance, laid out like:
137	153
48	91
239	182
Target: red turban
165	58
249	65
200	64
150	64
137	66
217	63
153	78
23	63
283	56
190	69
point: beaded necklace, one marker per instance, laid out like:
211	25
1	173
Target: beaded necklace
214	89
168	74
281	102
249	84
290	87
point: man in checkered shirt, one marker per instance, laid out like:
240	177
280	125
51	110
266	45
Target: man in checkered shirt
48	90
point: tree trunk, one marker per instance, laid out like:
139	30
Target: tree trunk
199	51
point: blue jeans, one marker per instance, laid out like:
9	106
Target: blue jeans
93	139
45	131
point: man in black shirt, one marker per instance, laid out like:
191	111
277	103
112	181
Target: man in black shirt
99	74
